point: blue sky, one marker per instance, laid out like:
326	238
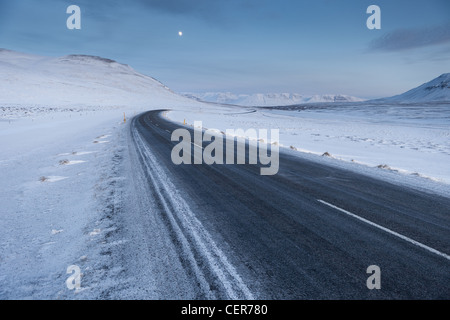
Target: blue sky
247	46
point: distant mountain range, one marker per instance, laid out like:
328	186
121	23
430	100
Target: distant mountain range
437	89
267	99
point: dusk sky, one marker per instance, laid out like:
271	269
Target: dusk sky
247	46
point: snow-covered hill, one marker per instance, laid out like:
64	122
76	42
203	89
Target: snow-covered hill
77	80
437	89
268	99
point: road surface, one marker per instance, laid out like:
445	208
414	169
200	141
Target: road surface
308	232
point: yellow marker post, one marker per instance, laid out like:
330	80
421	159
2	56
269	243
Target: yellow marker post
124	118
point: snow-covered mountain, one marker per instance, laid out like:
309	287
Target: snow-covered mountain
437	89
77	80
268	99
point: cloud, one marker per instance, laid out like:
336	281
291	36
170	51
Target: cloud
203	8
404	39
217	11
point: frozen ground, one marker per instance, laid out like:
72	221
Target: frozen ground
406	140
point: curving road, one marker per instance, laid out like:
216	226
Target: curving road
309	232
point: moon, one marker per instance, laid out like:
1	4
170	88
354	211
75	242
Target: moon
180	33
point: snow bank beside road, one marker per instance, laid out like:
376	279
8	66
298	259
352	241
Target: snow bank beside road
50	209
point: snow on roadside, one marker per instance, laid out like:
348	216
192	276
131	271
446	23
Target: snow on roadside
402	145
58	190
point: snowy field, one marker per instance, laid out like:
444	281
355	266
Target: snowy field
410	141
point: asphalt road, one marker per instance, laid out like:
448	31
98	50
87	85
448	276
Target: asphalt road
308	232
